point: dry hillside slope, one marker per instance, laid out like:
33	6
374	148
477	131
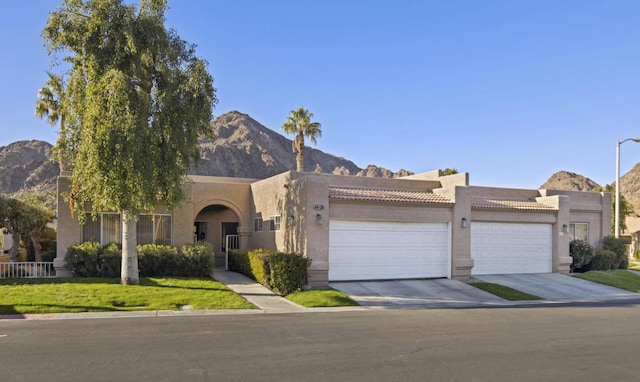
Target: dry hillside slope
244	148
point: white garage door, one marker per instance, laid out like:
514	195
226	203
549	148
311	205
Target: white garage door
365	250
503	248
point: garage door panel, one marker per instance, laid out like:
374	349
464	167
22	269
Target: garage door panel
360	250
502	248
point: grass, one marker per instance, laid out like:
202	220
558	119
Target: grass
321	298
635	265
73	295
620	278
505	292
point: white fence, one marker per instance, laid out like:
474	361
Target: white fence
28	269
231	242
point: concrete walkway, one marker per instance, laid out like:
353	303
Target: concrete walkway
255	293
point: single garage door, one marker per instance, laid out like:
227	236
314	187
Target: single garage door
366	250
503	248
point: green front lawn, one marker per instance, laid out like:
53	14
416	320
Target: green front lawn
635	265
620	278
321	298
505	292
73	295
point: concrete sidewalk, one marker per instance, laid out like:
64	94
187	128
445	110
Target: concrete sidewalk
255	293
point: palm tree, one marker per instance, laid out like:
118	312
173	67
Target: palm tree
50	104
299	123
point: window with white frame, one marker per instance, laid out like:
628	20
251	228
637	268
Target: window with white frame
257	225
274	223
154	229
579	231
107	228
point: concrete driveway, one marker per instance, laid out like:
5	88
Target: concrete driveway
433	293
553	287
559	287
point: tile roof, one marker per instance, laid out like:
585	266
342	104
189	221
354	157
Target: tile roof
505	204
369	194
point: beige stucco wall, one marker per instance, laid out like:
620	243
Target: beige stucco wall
299	197
593	208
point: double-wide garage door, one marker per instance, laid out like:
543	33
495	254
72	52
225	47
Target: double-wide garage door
367	250
503	248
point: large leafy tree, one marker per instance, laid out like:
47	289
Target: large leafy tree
299	123
136	101
25	219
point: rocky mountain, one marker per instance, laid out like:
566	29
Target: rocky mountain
630	186
570	181
25	166
243	148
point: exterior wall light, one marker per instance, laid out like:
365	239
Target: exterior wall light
565	228
464	223
318	219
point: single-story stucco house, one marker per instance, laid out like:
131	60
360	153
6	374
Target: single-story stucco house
359	228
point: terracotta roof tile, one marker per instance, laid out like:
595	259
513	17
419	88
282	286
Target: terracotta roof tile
377	195
510	204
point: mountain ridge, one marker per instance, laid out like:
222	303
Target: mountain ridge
243	148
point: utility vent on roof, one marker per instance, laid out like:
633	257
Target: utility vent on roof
399	196
510	204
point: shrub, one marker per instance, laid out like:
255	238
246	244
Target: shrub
48	256
619	247
157	260
239	262
90	260
197	259
582	254
283	273
604	260
259	266
287	272
82	259
109	261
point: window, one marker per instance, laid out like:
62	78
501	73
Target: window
154	229
257	224
107	228
92	228
162	229
579	231
274	223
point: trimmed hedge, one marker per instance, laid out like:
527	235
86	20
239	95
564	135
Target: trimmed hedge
192	260
284	273
287	272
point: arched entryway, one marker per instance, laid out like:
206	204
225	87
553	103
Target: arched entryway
213	224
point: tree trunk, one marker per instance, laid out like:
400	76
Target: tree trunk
300	156
129	272
36	249
13	252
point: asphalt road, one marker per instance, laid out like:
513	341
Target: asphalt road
574	343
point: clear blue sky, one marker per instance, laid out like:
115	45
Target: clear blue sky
510	91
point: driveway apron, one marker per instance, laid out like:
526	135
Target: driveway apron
433	292
559	287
